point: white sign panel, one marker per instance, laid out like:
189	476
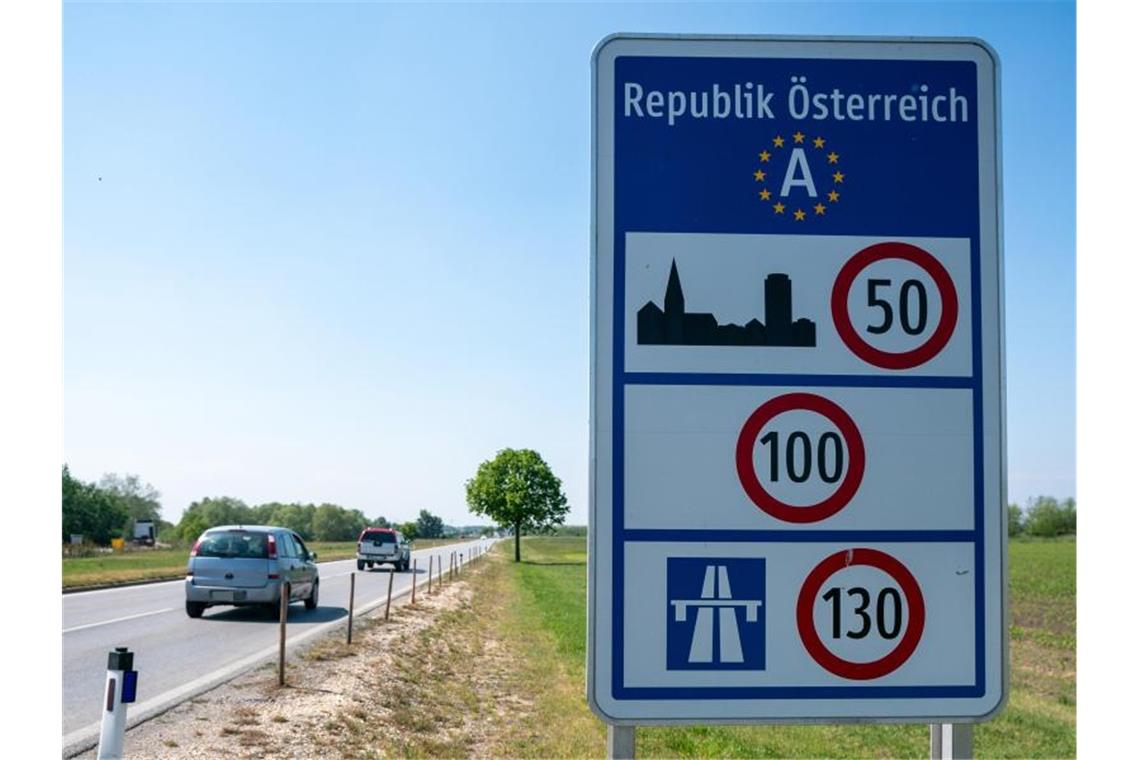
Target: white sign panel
797	422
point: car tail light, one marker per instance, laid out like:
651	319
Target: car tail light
274	576
194	549
359	546
272	547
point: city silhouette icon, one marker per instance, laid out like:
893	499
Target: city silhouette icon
676	327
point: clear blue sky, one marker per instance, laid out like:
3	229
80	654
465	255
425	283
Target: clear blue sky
340	252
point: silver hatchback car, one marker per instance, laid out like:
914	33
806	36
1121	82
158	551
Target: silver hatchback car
241	565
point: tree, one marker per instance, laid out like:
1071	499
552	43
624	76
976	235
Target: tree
428	525
1015	520
90	511
409	530
192	525
518	490
381	522
141	500
1045	517
335	523
211	512
295	517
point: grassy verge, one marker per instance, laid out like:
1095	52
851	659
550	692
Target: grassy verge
136	565
1038	721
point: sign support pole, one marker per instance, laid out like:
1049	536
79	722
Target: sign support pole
951	741
621	742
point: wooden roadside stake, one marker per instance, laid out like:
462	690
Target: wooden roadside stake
281	643
413	581
388	607
429	572
351	602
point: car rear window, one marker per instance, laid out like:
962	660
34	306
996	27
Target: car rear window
241	544
379	535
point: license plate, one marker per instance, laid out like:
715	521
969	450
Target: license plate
221	596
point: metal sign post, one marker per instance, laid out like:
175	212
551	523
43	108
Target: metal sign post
951	741
797	427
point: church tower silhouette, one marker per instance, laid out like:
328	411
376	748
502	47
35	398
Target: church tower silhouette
674	309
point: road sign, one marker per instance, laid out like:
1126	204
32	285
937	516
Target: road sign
797	422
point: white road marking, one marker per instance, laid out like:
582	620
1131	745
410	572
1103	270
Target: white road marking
117	620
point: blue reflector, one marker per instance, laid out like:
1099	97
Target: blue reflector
130	685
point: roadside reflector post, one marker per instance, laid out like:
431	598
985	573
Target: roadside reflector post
388	606
951	741
429	572
284	614
120	691
414	581
621	742
351	602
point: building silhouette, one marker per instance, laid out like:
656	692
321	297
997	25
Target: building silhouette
674	326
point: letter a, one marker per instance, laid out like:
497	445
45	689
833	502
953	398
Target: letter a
804	180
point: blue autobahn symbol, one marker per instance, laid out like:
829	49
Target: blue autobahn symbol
715	618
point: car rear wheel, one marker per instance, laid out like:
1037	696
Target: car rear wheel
369	565
360	564
311	602
195	609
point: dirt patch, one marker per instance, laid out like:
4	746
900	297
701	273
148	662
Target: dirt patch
388	693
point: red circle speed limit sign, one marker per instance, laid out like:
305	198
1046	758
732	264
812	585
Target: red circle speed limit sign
902	307
833	456
886	623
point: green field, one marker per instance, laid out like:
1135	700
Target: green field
1039	719
134	565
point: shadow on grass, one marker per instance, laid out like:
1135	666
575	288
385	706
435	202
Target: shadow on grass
550	564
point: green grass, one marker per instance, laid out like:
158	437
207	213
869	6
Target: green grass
134	565
1039	719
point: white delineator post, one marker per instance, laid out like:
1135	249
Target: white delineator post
119	663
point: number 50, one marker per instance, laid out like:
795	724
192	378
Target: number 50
908	287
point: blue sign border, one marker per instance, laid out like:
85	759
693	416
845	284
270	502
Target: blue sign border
976	536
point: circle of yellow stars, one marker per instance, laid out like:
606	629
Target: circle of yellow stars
818	143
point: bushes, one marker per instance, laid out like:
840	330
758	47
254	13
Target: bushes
1044	517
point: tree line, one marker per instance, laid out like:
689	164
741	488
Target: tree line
1043	517
108	509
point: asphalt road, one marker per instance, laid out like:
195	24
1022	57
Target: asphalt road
177	657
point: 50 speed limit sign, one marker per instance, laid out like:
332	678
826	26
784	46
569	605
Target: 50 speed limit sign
797	405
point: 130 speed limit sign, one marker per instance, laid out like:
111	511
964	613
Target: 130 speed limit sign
797	414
